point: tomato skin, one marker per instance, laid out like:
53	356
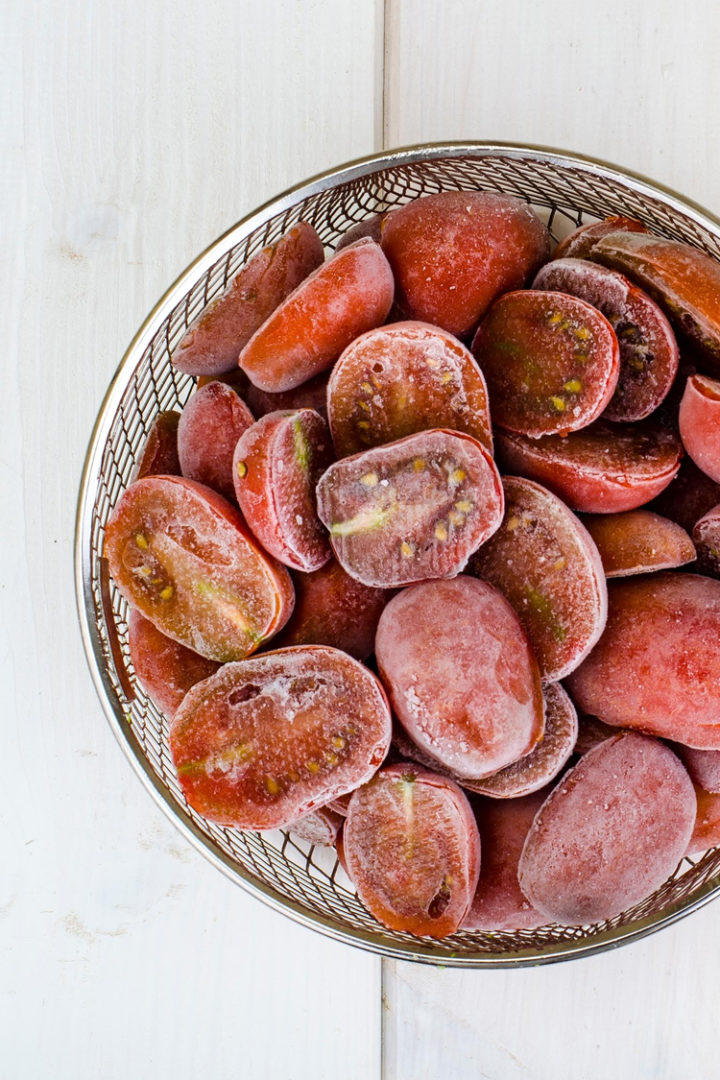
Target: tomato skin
454	252
183	556
580	243
164	668
351	293
159	455
212	343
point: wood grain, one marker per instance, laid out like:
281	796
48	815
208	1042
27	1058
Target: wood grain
134	134
626	82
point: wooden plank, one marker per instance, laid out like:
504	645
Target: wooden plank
135	134
646	1010
628	82
631	83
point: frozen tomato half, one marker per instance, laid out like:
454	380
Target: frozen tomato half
213	341
657	665
412	849
638	542
276	466
684	281
164	668
706	536
649	354
211	424
611	832
332	608
159	455
498	903
182	555
551	362
545	761
461	675
404	378
579	244
267	740
454	252
320	827
706	833
700	424
351	293
602	469
545	563
414	509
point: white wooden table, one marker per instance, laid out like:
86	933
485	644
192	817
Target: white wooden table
134	133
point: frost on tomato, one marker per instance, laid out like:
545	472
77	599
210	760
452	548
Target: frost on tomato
351	293
498	903
270	739
657	664
706	536
611	832
213	341
648	350
580	243
164	668
460	674
545	563
551	362
159	455
454	252
603	469
401	379
699	422
413	850
413	509
183	557
684	281
544	762
276	466
211	424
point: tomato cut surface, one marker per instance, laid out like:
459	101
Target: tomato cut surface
546	564
413	509
182	556
551	362
267	740
413	850
649	353
401	379
276	467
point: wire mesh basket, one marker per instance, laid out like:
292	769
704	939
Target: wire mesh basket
295	877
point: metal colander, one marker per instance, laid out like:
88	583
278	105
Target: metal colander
303	881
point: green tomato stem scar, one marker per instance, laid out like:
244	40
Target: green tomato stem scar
302	450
